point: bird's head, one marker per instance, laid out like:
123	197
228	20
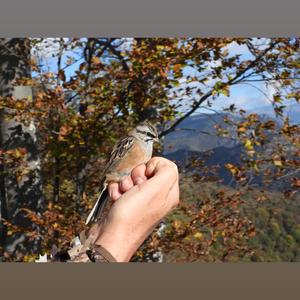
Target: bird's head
147	132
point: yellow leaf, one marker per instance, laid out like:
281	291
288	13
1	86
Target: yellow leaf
96	60
19	105
18	153
277	163
177	224
233	169
55	225
160	47
198	235
276	98
187	238
74	122
225	91
248	145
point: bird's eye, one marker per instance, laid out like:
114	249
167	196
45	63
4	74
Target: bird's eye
150	134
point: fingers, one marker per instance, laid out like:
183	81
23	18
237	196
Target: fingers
138	174
150	167
126	184
163	176
167	176
114	191
166	171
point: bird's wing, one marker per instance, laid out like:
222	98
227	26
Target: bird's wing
119	151
99	206
117	154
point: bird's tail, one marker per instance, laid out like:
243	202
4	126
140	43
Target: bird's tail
98	207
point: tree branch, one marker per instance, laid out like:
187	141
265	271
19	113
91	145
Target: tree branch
234	80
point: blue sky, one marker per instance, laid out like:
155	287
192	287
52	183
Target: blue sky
252	97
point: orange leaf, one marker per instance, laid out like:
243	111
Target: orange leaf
177	68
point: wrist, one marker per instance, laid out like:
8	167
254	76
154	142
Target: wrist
122	250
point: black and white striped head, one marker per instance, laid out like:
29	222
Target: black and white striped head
146	132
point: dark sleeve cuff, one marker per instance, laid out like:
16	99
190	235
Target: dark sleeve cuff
97	253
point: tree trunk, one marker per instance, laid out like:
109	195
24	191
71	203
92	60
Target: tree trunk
27	192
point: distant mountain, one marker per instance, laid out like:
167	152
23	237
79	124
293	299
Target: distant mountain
292	111
218	156
197	133
196	138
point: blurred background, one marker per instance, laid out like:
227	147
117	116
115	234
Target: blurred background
228	113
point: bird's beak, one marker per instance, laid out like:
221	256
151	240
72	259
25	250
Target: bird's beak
157	140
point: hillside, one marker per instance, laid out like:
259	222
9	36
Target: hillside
196	138
276	219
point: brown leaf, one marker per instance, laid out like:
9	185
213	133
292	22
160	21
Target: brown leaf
61	75
296	182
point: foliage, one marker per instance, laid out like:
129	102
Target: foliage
115	83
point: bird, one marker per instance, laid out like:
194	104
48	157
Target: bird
135	149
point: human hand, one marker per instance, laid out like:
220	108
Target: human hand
140	202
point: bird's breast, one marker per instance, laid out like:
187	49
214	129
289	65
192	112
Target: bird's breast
137	154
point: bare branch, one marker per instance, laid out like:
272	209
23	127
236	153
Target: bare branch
236	79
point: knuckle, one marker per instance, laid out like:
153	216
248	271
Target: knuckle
174	169
138	188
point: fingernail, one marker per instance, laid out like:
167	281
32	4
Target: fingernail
139	180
